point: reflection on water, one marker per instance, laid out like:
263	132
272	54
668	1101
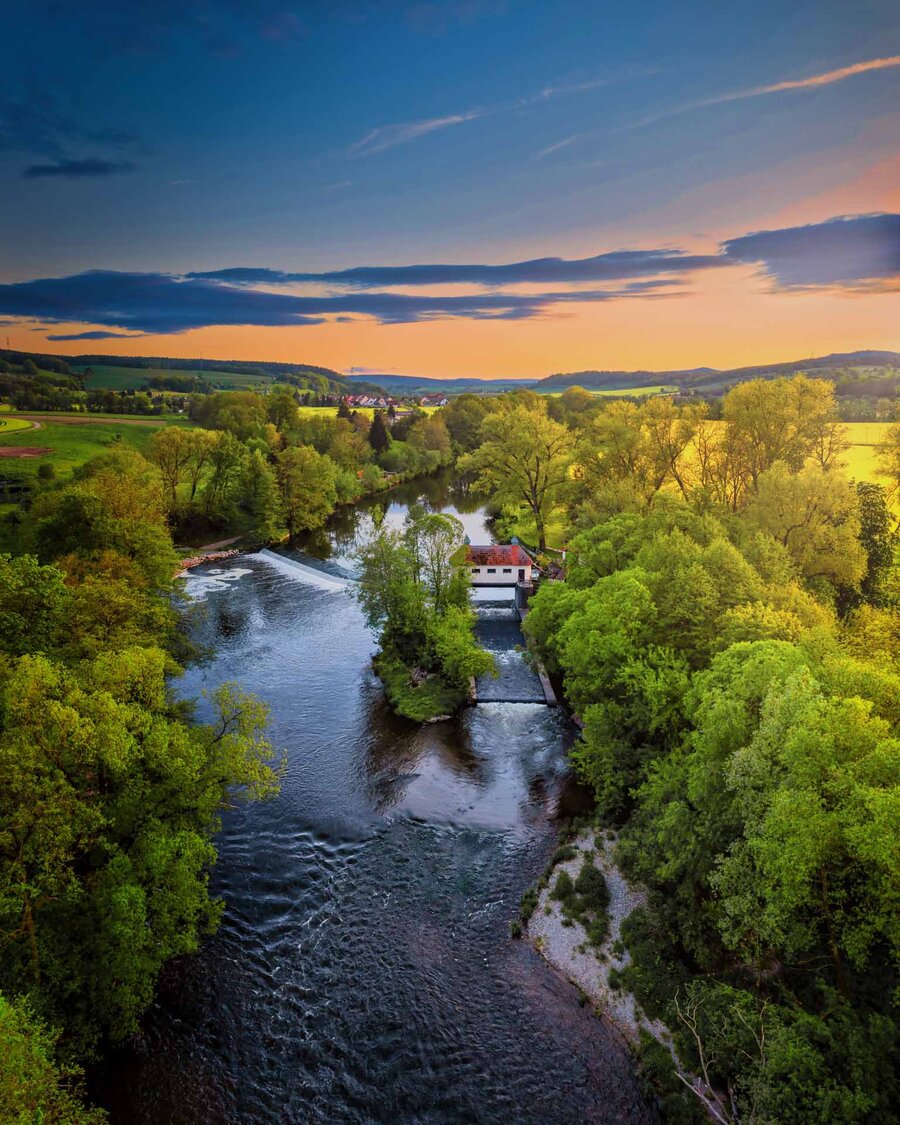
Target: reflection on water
350	526
363	971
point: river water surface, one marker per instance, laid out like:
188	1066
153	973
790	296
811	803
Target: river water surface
363	971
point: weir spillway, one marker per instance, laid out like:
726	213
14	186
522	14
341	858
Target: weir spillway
498	629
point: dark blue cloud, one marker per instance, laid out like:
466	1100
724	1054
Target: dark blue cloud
163	303
78	169
857	250
854	251
98	334
542	271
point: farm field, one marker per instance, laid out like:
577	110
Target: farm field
634	392
110	377
861	457
71	445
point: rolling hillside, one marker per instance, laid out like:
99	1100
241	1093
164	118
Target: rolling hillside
119	373
844	368
415	384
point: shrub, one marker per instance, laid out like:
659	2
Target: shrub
564	888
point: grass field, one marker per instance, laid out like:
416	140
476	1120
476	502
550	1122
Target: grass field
13	425
72	445
633	392
110	377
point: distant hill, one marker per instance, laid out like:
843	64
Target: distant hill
843	368
416	384
121	372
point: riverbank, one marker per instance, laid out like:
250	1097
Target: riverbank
565	945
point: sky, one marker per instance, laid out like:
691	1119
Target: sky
486	188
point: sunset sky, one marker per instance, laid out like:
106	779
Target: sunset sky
579	185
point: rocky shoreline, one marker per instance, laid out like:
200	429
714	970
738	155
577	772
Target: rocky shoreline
563	944
566	948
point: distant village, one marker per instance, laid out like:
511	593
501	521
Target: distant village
379	402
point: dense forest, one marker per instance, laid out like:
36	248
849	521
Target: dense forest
728	633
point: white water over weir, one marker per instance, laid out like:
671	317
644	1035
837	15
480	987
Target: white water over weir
321	578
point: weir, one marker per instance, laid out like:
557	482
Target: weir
499	630
315	575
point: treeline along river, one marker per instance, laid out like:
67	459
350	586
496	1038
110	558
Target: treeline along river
363	971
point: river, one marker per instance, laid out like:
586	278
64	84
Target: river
363	971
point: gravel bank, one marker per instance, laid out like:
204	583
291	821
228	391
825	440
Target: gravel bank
588	968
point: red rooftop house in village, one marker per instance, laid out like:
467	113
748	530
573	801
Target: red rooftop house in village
496	564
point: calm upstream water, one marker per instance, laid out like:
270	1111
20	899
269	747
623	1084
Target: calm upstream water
363	971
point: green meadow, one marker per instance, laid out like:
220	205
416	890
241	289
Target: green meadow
631	392
110	377
72	445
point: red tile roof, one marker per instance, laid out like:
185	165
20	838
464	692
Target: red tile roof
497	555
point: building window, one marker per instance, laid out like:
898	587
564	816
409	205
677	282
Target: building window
507	570
474	569
492	570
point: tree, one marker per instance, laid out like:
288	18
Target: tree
428	436
785	420
108	803
347	447
379	438
524	457
878	542
33	1086
888	451
307	482
463	417
171	450
226	463
259	499
281	409
815	515
242	413
433	539
33	605
116	504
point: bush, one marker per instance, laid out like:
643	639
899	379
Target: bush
564	888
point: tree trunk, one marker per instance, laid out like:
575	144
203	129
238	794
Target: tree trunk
542	534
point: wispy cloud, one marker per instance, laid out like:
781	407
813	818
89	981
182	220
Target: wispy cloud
555	147
812	83
614	266
389	136
78	169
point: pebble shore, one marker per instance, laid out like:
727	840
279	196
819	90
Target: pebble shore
566	949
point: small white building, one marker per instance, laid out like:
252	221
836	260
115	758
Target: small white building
498	565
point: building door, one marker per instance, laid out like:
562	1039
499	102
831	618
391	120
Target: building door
521	574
